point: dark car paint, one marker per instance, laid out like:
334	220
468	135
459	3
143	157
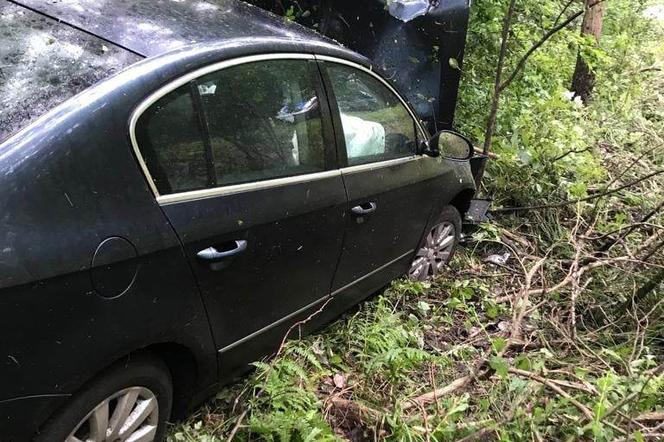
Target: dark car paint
294	239
153	27
44	62
70	181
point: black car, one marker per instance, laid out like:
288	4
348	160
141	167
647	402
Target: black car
180	182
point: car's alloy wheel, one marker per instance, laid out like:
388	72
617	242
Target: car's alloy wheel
130	415
435	253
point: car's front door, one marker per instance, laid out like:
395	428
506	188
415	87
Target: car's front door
243	159
391	190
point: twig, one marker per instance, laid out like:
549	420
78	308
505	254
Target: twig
570	152
562	12
299	323
633	395
585	410
236	427
476	435
651	416
579	200
427	398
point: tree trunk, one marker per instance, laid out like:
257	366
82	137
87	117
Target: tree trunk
583	80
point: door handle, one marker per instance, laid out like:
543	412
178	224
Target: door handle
212	254
364	209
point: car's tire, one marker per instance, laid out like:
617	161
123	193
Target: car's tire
145	381
437	247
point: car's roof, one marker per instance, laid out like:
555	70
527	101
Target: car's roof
53	49
151	27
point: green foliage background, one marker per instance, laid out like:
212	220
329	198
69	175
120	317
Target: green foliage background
537	123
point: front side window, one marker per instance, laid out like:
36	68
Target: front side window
376	124
264	120
245	123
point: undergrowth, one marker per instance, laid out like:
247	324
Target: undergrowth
562	339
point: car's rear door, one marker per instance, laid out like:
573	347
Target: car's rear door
391	190
243	158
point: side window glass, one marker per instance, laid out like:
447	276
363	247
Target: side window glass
264	121
376	124
246	123
171	142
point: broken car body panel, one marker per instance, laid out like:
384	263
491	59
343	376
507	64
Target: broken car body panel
418	44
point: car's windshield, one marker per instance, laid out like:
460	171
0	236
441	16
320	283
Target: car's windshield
44	62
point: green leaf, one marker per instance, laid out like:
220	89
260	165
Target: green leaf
454	64
517	384
491	311
458	408
423	307
524	363
499	365
498	344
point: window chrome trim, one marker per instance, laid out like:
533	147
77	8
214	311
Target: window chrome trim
232	189
245	187
152	98
380	164
423	132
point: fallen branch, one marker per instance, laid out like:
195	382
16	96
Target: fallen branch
655	372
480	368
651	416
356	407
300	323
427	398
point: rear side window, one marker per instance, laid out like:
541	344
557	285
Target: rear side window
245	123
172	143
376	124
44	62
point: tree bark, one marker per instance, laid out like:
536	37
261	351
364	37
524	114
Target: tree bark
583	80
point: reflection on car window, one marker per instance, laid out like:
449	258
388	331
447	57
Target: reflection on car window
172	143
376	125
246	123
264	121
44	62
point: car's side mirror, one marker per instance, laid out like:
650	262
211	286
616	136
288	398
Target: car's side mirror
450	145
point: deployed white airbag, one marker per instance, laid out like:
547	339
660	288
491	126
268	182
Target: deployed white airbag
363	138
